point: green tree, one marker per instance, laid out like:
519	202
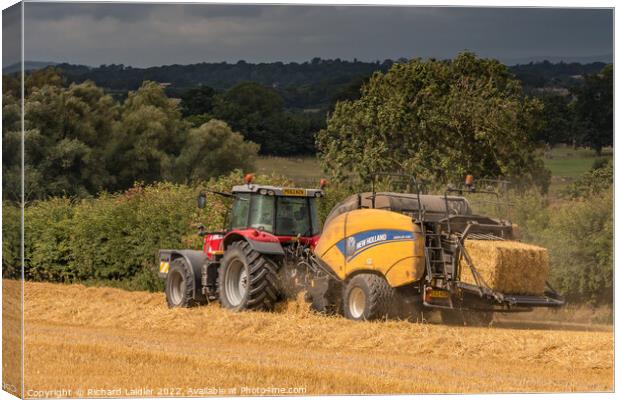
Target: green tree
79	141
438	120
211	150
50	76
557	120
66	130
35	186
197	120
250	108
351	91
583	265
594	109
11	85
198	101
148	137
257	112
11	144
593	182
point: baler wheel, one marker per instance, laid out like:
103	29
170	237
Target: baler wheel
367	297
247	280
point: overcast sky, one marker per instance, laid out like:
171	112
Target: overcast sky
145	35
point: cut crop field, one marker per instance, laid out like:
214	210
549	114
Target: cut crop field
118	343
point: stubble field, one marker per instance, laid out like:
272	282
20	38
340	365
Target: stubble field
118	343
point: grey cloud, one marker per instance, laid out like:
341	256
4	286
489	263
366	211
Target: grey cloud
143	34
11	35
57	11
134	11
223	11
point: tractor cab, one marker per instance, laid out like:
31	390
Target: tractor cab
282	212
264	216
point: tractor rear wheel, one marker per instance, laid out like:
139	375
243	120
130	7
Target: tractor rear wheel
180	285
367	297
247	280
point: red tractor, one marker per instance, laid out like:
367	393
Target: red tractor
241	265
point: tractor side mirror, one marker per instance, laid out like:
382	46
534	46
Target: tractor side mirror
202	200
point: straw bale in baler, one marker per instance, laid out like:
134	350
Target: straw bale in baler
506	266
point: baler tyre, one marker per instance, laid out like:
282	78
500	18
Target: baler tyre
367	297
180	285
247	280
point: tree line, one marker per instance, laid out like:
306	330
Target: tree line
426	116
307	85
257	112
79	141
583	116
304	85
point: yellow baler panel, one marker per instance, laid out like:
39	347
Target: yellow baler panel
326	248
405	271
370	239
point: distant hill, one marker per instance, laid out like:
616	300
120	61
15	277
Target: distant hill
302	85
546	73
28	66
604	58
311	85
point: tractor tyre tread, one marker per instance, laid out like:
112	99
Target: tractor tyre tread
262	291
179	265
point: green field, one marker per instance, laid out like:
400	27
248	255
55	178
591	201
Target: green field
565	164
301	170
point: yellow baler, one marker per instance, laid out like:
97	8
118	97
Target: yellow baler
381	252
376	241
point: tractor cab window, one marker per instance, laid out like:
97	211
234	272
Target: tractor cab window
293	216
280	215
314	217
240	210
262	212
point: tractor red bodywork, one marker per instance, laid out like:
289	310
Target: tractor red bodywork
214	243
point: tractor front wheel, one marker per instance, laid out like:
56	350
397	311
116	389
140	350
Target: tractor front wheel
367	297
247	280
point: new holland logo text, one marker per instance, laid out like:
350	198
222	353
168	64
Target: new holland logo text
371	240
358	243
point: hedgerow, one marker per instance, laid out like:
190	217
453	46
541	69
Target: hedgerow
112	239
